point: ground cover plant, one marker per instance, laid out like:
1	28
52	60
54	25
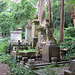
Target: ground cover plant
15	68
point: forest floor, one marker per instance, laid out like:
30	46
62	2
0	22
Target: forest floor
4	69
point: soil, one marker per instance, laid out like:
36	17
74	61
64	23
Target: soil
4	69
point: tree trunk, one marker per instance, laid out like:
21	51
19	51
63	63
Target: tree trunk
73	14
62	22
50	12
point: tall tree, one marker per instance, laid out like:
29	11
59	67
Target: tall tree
62	22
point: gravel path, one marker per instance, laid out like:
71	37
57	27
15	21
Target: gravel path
4	70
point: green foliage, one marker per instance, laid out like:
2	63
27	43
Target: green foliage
69	42
23	35
2	6
50	70
57	34
16	15
4	58
15	68
70	32
4	48
27	50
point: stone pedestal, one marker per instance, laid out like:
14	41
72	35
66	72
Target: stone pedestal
34	42
49	51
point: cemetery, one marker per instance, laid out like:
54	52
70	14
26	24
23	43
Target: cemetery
36	40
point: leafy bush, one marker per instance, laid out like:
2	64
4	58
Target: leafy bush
27	50
4	48
15	68
3	40
70	32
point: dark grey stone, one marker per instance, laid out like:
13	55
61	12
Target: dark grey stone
49	51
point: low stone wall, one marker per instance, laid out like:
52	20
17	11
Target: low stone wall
29	54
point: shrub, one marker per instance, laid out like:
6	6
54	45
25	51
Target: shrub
70	32
4	48
15	68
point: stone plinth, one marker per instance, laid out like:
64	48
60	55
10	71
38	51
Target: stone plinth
16	35
49	51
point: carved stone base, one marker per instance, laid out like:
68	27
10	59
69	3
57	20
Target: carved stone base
49	51
34	42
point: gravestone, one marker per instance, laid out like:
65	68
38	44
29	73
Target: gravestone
51	48
35	24
15	36
28	33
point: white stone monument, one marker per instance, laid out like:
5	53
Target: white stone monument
15	36
28	33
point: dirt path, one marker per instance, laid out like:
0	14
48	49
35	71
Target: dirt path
4	70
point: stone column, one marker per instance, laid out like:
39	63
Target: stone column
35	24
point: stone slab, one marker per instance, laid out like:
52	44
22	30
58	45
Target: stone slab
49	51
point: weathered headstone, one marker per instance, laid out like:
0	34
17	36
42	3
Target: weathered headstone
28	33
15	36
35	24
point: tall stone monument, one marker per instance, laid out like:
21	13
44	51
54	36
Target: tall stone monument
42	28
28	33
51	49
35	24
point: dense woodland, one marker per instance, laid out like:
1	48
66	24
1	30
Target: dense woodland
14	15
